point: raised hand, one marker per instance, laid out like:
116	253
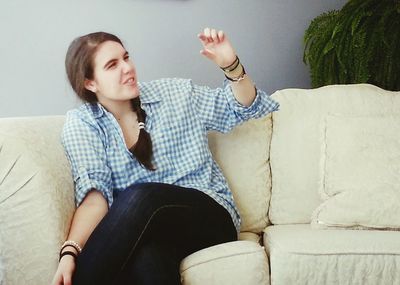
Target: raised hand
217	47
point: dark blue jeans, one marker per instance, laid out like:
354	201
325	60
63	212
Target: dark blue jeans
147	231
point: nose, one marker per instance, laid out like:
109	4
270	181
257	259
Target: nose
127	66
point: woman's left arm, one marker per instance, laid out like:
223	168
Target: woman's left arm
218	48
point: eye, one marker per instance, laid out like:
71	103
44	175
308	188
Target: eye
126	57
110	65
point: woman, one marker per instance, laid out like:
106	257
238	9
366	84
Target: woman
147	190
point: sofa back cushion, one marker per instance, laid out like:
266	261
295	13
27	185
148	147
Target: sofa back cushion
298	138
36	198
243	155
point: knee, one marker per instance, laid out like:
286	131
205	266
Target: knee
142	202
146	194
154	257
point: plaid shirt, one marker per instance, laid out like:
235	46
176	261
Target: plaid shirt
179	114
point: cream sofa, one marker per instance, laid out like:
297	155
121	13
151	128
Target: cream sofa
306	179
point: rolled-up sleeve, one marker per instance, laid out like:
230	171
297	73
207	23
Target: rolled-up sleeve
86	154
219	110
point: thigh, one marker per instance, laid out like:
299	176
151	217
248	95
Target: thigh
133	216
190	229
173	233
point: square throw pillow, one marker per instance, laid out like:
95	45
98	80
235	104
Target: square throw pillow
360	173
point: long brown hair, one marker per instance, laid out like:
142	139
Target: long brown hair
79	64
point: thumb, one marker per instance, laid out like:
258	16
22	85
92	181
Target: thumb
57	280
67	280
207	54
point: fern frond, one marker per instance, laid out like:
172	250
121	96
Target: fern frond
359	43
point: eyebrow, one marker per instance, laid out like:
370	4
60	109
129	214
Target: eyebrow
113	60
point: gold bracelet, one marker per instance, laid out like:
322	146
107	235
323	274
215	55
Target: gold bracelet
238	78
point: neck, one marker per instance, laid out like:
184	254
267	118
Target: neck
119	109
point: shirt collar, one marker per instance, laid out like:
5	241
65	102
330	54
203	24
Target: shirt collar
148	94
96	109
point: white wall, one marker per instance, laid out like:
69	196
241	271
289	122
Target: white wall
159	34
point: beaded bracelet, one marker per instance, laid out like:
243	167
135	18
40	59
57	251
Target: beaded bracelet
67	245
238	78
73	244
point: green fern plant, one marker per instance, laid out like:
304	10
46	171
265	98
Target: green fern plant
358	44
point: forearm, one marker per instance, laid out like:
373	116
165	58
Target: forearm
87	216
242	86
244	91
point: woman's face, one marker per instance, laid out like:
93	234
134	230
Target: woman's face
114	74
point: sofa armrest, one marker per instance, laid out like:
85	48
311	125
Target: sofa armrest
238	262
36	198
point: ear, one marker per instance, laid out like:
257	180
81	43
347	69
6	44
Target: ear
90	85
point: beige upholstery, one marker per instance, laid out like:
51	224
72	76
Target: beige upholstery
273	166
360	167
234	263
36	191
297	253
243	155
297	139
249	236
301	255
36	198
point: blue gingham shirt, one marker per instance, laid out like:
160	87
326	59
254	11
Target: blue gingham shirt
179	114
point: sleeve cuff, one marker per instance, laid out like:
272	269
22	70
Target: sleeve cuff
86	181
262	104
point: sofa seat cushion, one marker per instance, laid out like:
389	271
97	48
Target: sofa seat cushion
301	255
239	262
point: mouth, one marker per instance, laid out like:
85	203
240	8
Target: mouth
129	81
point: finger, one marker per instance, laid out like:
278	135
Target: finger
207	33
207	53
221	36
202	38
214	35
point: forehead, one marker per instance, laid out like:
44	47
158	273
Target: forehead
107	51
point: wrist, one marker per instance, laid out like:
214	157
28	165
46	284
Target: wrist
71	243
231	65
69	253
70	248
235	72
